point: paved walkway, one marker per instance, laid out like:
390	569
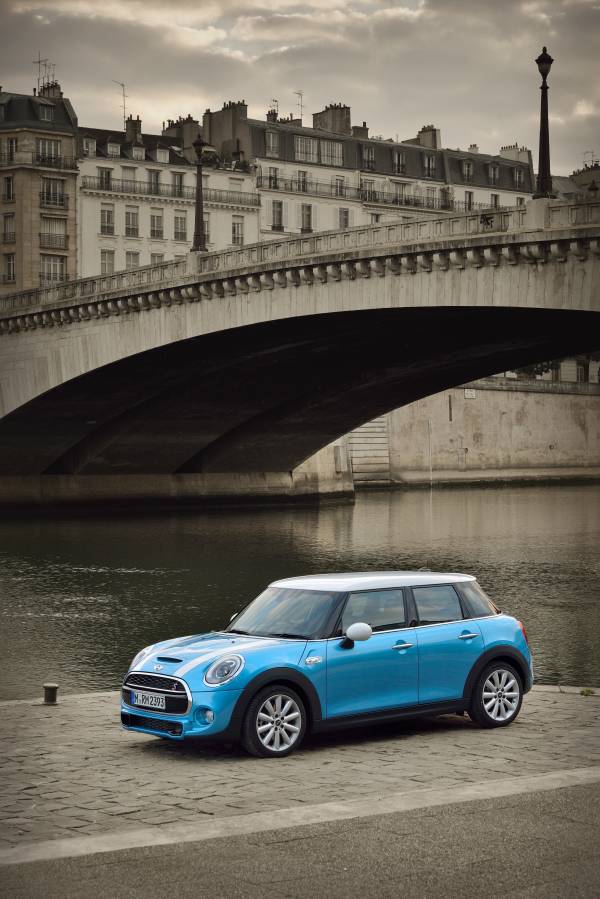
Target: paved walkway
70	770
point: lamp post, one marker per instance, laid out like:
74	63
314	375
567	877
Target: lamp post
199	243
544	178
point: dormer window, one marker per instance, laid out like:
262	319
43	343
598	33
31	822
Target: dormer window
399	162
138	153
494	173
429	165
46	113
518	177
272	143
89	146
368	154
162	155
113	149
467	170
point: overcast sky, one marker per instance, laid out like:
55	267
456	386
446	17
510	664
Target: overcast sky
464	65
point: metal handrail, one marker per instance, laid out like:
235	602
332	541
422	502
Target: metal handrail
54	241
27	157
49	199
145	188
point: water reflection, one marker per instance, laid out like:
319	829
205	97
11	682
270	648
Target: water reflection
79	597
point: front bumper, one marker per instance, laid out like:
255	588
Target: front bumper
196	722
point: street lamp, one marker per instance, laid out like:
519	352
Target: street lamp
544	178
199	243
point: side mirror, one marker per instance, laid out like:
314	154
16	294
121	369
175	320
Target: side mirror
359	631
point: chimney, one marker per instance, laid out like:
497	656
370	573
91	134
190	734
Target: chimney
272	115
335	117
133	130
473	148
51	90
360	131
430	136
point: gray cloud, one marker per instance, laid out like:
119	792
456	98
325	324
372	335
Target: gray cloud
466	65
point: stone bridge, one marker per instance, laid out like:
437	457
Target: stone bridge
230	369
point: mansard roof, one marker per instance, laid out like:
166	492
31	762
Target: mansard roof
22	111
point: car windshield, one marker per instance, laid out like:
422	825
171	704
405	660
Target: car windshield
287	612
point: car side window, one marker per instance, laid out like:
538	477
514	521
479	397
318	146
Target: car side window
437	604
480	605
382	609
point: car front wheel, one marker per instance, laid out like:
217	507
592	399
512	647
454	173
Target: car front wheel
275	722
497	698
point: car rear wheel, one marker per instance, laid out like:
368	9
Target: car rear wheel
497	698
275	722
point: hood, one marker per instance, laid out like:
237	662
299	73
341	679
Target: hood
185	656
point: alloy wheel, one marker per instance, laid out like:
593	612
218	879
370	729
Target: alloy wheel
501	694
278	722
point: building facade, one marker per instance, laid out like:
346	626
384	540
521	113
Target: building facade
334	176
38	175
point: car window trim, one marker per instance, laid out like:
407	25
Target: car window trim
466	617
338	621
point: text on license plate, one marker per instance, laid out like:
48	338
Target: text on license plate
148	700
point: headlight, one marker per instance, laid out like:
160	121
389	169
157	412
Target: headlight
223	670
141	655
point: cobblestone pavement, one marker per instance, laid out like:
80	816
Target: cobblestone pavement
71	770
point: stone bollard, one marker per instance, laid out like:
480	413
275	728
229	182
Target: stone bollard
50	691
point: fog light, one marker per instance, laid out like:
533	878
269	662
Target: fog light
205	716
209	716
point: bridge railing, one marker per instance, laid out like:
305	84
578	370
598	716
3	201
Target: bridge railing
303	247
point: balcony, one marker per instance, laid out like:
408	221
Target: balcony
9	237
8	197
54	241
50	279
369	195
54	201
132	231
180	235
143	188
37	160
107	229
8	278
157	234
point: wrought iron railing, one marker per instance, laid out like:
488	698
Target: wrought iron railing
42	160
51	199
54	241
145	188
9	237
51	279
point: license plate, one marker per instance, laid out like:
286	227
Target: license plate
148	700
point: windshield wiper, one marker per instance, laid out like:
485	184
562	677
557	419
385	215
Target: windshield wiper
233	630
291	636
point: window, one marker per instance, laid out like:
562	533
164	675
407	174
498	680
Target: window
494	201
156	224
107	262
437	604
107	220
306	149
9	228
479	604
518	177
430	197
46	113
177	184
399	162
128	176
429	165
343	218
382	609
235	183
302	179
53	269
277	221
132	218
399	193
467	170
207	229
367	189
104	179
332	152
153	181
306	218
9	268
53	192
237	231
520	201
468	199
54	233
12	145
368	156
272	143
140	153
89	146
273	177
493	173
132	259
180	226
375	218
339	186
162	154
113	149
582	371
8	188
156	258
47	150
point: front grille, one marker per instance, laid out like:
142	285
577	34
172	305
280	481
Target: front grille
164	727
174	705
155	682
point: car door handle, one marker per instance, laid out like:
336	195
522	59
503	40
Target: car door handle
399	646
467	636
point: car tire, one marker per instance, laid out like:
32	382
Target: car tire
498	696
275	722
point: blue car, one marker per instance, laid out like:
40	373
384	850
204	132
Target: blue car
333	651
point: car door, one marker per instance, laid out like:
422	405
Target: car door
379	673
448	643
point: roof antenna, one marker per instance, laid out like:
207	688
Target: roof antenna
300	95
39	62
122	86
275	105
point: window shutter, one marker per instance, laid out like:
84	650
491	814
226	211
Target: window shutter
315	217
268	215
298	216
284	215
350	218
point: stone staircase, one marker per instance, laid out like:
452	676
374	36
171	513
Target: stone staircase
369	452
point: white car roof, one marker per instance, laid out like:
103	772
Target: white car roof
371	580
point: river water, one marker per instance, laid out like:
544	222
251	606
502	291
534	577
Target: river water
78	597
